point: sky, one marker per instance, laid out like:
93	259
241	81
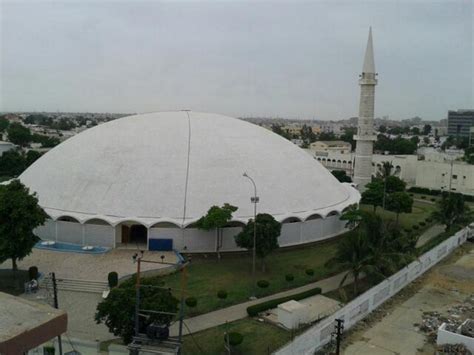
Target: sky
294	59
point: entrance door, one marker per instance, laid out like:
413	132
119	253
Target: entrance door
125	234
138	234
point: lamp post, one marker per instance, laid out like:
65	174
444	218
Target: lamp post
255	199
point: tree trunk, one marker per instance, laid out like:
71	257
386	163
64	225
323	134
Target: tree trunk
217	244
356	283
263	264
14	265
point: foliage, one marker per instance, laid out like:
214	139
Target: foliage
426	129
20	214
233	338
117	311
373	195
267	233
217	218
4	123
289	277
19	134
222	294
263	283
46	142
112	278
191	302
276	128
452	209
399	202
14	162
49	350
353	216
307	134
348	136
309	272
33	273
254	310
396	145
395	184
469	155
341	176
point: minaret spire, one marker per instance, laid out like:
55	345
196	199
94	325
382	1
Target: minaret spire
369	64
365	124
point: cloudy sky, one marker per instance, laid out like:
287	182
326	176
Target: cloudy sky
242	58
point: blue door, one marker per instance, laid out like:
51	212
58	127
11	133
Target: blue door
160	244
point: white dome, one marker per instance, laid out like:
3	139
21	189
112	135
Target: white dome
173	166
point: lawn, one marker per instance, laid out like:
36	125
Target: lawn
206	276
258	338
12	282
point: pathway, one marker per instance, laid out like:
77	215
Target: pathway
239	311
429	234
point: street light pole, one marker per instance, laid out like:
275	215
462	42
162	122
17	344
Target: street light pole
254	200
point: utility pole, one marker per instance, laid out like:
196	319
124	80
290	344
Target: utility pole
55	295
255	199
338	328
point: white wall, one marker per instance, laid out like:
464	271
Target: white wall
69	232
320	334
47	231
447	337
101	235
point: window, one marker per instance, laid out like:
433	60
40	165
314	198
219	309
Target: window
455	176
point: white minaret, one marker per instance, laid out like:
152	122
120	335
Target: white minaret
365	131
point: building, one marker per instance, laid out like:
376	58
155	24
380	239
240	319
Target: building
5	147
324	147
25	325
147	179
365	136
460	122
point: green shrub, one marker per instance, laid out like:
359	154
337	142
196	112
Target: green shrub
113	279
48	350
423	197
411	195
254	310
33	273
415	227
222	294
289	277
422	223
233	338
408	230
263	283
433	199
429	220
309	272
191	302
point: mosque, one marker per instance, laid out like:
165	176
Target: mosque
146	179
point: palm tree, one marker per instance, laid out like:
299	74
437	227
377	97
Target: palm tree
451	209
383	173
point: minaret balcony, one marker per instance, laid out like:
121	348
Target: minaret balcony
371	137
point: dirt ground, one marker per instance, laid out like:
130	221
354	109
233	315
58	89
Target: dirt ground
400	325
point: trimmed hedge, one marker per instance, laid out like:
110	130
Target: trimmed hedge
234	338
426	191
222	294
263	283
191	302
254	310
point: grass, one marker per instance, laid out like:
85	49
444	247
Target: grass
259	338
420	211
13	282
206	276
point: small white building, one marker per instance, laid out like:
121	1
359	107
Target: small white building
463	335
5	147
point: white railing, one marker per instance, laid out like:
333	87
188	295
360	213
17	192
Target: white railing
320	334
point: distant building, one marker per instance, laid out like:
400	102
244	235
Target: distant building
5	147
460	122
324	147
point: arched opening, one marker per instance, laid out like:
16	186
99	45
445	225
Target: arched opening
291	220
97	221
68	219
313	217
235	224
333	213
132	232
165	225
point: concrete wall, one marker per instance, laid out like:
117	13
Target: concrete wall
320	334
447	337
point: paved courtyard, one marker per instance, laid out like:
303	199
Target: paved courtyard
91	266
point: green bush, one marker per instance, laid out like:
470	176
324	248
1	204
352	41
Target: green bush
254	310
33	273
411	195
222	294
423	197
234	338
48	350
429	220
433	199
191	302
289	277
309	272
415	227
422	223
113	279
408	230
263	283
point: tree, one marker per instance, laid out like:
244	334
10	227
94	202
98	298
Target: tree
426	129
276	128
20	214
399	202
373	195
382	129
4	123
452	209
117	311
14	162
395	184
341	176
415	131
307	134
426	140
18	134
348	136
217	218
268	231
